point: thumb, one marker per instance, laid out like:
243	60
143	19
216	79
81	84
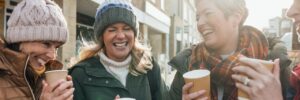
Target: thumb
45	86
276	69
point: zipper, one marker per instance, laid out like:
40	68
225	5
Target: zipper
25	67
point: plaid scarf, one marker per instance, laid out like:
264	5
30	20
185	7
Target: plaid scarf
252	43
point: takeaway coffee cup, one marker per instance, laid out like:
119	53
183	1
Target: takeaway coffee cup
55	75
269	64
200	79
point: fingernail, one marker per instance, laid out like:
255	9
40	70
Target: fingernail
202	91
190	83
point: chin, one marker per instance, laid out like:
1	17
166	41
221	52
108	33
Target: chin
211	45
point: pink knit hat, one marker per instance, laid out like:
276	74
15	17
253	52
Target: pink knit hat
37	20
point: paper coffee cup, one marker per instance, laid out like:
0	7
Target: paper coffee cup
55	75
269	64
200	79
126	99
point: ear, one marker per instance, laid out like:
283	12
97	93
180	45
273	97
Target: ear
236	19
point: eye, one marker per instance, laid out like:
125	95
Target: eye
197	17
47	44
208	13
111	29
127	28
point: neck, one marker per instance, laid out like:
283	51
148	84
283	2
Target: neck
112	62
121	59
230	46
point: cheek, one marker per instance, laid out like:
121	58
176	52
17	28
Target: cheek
131	39
107	38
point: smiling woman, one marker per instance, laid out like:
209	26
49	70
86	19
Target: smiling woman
40	53
221	24
30	45
118	41
119	64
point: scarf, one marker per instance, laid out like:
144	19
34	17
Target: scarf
295	81
252	43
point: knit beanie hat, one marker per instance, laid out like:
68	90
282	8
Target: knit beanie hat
114	11
37	20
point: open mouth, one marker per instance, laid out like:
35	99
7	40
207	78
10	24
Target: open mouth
120	44
41	65
206	32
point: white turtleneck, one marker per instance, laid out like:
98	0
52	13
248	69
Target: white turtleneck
118	69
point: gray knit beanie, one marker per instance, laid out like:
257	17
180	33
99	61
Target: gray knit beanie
114	11
37	20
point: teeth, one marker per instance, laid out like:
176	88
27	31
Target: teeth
41	61
206	32
120	44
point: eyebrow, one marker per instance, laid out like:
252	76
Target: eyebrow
124	26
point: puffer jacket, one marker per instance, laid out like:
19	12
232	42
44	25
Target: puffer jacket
17	81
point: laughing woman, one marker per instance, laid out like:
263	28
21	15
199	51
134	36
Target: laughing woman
119	64
36	28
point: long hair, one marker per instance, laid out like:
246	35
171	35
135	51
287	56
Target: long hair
141	55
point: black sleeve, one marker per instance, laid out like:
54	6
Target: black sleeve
175	92
77	78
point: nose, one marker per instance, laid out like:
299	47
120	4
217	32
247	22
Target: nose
120	35
200	23
292	12
51	53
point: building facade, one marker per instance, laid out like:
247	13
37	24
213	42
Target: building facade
278	26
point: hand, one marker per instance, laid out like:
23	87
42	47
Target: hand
192	96
61	90
263	84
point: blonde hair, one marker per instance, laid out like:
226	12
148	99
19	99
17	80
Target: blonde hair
141	56
229	7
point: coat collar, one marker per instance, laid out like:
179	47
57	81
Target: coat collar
12	61
96	71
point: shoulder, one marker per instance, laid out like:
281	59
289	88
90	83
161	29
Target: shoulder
155	68
180	61
278	50
81	66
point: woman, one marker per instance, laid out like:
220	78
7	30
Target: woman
118	64
220	23
36	29
294	13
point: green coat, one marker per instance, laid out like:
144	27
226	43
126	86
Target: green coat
93	82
